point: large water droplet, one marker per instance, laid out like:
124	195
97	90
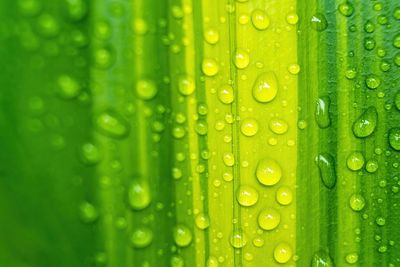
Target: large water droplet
322	116
182	235
394	138
146	89
141	237
247	195
269	219
265	87
326	165
268	172
365	124
139	195
321	259
111	124
186	85
355	161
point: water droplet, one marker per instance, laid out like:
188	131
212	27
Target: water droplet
269	219
365	124
142	237
322	116
268	172
48	26
247	195
258	242
202	221
380	221
357	202
211	36
396	13
178	132
346	9
351	258
249	127
284	195
372	165
396	41
326	165
186	85
140	26
394	138
77	9
265	87
355	161
372	81
147	89
29	7
177	261
260	19
294	68
292	18
229	159
111	124
139	196
351	73
88	212
282	253
225	94
369	43
182	235
201	127
210	67
90	154
103	58
238	239
278	126
68	87
212	262
319	22
321	259
102	30
242	59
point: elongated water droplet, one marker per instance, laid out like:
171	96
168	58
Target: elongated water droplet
141	237
268	172
269	219
321	259
247	195
322	112
241	59
394	138
139	195
182	235
319	22
111	124
326	165
282	253
265	87
365	124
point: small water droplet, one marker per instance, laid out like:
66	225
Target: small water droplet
238	239
229	159
210	67
278	126
346	9
372	81
146	89
292	18
357	202
268	172
68	87
211	36
241	59
326	165
284	195
90	154
351	258
225	94
88	212
202	221
48	26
